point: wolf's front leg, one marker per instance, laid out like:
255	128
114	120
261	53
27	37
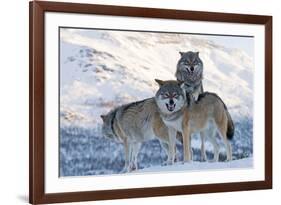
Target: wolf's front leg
203	151
136	148
172	145
165	146
128	157
228	150
215	146
186	144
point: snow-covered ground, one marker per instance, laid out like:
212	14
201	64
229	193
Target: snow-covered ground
199	166
100	70
86	152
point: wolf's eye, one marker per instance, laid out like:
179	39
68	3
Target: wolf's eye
166	95
175	95
162	95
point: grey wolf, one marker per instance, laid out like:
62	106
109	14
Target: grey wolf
134	123
181	113
190	71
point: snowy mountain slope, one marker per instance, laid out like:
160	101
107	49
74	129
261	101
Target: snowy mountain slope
103	69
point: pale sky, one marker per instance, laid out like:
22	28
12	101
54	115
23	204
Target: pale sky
236	42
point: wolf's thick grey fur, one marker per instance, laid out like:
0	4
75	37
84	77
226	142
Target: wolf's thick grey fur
135	123
206	115
190	71
230	124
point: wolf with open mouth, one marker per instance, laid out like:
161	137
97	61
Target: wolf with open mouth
190	72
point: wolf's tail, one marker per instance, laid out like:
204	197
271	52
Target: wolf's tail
230	126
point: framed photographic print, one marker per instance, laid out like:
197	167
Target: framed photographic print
139	102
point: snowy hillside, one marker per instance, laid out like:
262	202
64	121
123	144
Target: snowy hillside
100	70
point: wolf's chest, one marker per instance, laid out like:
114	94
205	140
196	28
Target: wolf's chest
176	124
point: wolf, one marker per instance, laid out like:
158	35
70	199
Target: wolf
134	123
181	113
190	72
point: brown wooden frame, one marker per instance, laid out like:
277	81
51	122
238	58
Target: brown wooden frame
36	101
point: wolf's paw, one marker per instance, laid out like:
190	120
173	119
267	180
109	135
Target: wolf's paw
188	159
203	159
128	169
170	162
165	163
132	168
177	159
213	160
228	158
124	170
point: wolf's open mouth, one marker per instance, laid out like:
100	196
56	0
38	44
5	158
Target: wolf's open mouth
170	107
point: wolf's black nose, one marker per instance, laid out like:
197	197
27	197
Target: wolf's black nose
192	68
171	102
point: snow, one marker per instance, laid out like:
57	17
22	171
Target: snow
101	69
200	166
85	152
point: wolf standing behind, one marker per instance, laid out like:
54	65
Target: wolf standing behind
190	71
206	115
135	123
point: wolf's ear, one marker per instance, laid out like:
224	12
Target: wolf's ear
160	82
181	53
180	83
102	117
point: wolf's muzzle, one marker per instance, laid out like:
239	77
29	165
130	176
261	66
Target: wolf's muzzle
171	107
171	101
